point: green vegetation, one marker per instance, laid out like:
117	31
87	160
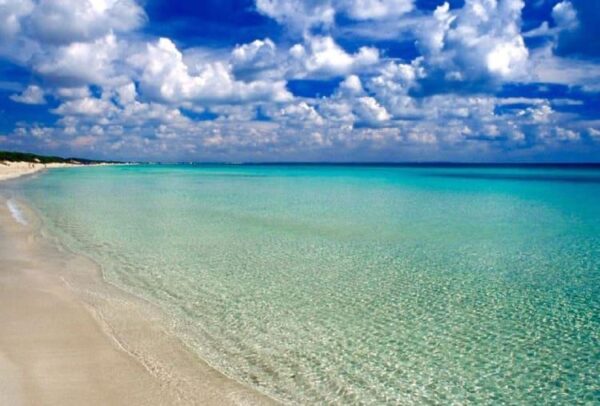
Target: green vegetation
27	157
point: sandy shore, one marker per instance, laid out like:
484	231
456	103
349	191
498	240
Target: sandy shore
69	338
11	170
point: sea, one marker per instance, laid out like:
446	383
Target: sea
355	284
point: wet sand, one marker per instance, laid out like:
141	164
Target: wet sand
69	338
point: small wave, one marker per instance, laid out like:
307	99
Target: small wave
16	212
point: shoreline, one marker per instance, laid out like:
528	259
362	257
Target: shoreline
70	337
13	170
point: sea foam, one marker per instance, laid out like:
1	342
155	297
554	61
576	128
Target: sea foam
16	212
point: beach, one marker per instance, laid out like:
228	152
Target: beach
313	284
11	170
69	338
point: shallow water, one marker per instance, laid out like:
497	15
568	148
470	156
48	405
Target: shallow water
356	285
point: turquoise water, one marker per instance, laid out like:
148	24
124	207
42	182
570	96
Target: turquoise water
357	285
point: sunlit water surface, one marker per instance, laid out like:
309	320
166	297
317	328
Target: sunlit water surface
357	285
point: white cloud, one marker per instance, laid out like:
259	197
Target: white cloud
73	92
338	111
541	31
594	133
539	114
66	21
549	68
565	19
432	33
392	84
565	134
398	76
80	49
565	15
321	56
71	42
89	106
11	12
301	115
299	15
376	9
302	15
483	38
507	57
258	54
258	59
32	95
144	114
126	94
81	63
351	86
370	111
165	76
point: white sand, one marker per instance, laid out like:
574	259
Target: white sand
69	338
10	170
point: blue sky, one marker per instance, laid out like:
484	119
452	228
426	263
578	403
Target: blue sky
289	80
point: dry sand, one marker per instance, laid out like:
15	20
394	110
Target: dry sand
69	338
10	170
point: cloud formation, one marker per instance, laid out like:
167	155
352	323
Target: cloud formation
164	75
321	56
461	83
32	95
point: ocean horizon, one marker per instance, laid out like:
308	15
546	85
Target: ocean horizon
355	283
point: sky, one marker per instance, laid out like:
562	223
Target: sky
291	80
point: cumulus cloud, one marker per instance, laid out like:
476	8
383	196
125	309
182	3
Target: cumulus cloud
131	95
165	76
72	92
299	15
302	15
375	9
565	18
480	40
565	15
299	115
351	85
66	21
11	13
257	59
255	55
321	56
80	63
88	106
32	95
370	111
33	31
392	85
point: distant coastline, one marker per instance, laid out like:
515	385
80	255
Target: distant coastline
17	164
16	156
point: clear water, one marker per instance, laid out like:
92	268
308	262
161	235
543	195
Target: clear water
357	285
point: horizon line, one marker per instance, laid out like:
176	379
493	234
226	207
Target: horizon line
372	163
